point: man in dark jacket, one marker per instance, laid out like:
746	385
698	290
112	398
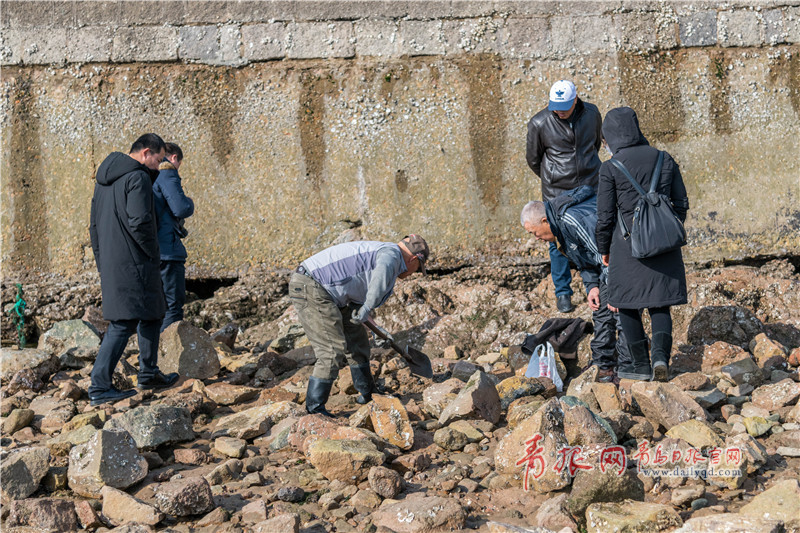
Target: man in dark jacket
172	207
568	221
125	245
562	145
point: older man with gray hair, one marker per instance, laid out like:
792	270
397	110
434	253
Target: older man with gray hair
568	221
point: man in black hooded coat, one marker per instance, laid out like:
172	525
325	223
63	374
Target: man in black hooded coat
125	245
654	283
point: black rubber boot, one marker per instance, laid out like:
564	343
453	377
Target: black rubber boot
317	394
640	369
662	348
363	382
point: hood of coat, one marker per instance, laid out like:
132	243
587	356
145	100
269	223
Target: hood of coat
117	165
166	165
621	129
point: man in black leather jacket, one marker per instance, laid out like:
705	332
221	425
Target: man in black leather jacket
562	145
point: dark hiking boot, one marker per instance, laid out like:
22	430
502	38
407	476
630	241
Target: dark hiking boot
640	369
363	382
317	395
111	395
159	380
564	303
662	348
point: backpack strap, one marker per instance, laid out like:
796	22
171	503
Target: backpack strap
627	174
620	221
657	172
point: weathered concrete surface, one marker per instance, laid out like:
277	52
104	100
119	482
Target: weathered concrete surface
389	125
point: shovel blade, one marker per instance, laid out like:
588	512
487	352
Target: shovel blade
419	363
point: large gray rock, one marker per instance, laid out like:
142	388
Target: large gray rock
779	502
109	458
154	425
246	424
631	517
345	460
16	420
595	486
582	426
22	471
51	413
185	497
665	404
439	395
478	399
121	508
189	351
548	422
44	514
421	515
731	523
731	324
69	334
13	360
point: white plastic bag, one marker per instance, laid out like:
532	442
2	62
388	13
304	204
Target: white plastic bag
543	365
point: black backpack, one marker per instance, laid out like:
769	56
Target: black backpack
656	228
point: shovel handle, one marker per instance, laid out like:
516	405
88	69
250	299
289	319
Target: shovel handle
393	344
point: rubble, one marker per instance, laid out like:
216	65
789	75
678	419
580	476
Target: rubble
235	449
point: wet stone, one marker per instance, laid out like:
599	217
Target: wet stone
22	470
43	514
385	482
154	425
185	497
291	494
109	458
478	399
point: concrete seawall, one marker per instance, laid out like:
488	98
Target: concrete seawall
302	120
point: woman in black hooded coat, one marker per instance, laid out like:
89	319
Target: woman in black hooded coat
655	283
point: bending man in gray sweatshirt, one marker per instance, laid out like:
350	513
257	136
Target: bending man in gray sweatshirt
334	292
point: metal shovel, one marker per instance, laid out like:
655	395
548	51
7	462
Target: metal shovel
418	362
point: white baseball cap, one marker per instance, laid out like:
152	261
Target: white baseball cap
562	95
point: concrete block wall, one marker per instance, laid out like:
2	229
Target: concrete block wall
239	32
301	119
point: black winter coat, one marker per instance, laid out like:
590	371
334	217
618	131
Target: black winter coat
563	153
636	283
124	240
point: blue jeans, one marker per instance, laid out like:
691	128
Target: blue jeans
173	279
559	271
113	346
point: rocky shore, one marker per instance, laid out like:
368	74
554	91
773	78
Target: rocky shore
232	449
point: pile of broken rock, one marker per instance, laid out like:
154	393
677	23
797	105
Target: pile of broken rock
231	448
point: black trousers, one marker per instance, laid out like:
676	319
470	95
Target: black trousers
113	346
631	319
608	344
173	279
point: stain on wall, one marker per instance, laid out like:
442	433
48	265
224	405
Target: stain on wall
720	110
217	106
315	84
651	84
487	124
26	184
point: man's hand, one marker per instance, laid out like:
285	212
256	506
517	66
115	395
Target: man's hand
612	308
357	317
594	299
606	259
